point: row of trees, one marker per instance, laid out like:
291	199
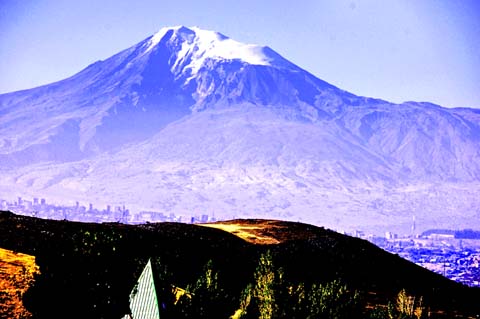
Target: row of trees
270	296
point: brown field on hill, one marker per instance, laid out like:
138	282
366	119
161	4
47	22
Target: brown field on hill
260	232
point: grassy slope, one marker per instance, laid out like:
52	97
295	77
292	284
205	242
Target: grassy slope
16	276
91	268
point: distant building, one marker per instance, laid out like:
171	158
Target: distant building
359	233
390	235
439	234
414	226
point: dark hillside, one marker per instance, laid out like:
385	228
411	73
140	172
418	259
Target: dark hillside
92	267
87	270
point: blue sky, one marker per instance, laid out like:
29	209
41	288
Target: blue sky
396	50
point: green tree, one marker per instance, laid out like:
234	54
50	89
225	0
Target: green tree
245	301
404	307
205	299
264	289
332	300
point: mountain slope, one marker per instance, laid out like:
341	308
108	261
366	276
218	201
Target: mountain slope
133	94
190	121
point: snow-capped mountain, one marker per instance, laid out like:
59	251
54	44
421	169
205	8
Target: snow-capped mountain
191	121
133	94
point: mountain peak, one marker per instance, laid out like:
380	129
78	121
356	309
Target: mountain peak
196	45
165	31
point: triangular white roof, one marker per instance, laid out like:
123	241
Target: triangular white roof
143	298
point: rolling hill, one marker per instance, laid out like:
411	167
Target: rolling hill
88	270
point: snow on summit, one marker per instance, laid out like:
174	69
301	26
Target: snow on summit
197	45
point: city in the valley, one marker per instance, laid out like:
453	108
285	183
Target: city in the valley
454	254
